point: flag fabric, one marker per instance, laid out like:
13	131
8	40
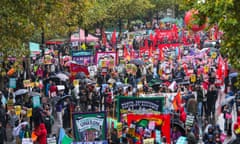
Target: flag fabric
225	68
172	86
125	52
75	68
177	101
61	135
219	68
161	54
114	39
67	140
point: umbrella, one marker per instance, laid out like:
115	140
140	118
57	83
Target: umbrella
63	98
21	92
34	94
62	76
235	74
53	78
89	81
227	100
180	126
111	81
137	62
80	75
17	129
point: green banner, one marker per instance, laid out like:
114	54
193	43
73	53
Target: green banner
89	126
139	105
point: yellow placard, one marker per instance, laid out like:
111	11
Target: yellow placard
47	59
111	64
193	78
160	72
29	112
75	82
129	68
148	141
27	83
214	55
119	129
206	68
10	104
104	63
131	131
18	109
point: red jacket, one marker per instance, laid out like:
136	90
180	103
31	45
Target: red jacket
41	132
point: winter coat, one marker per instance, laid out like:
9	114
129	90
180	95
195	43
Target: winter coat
41	133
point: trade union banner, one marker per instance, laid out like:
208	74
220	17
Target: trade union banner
138	105
89	126
83	57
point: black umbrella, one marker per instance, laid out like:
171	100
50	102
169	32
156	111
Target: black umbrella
137	62
53	78
80	75
180	127
64	98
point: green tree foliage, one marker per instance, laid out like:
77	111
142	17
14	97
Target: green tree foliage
226	15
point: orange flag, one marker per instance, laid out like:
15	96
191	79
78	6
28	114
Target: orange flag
177	101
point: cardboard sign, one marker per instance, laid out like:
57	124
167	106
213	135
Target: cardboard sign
29	112
119	129
206	69
75	82
36	101
10	104
27	141
27	83
12	83
213	55
18	109
148	141
193	78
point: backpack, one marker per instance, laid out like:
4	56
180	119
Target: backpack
48	123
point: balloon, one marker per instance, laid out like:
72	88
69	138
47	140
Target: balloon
189	18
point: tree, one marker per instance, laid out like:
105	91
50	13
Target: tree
226	15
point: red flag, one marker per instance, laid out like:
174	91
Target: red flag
75	68
177	101
219	68
125	52
150	51
151	37
179	53
225	68
114	39
161	54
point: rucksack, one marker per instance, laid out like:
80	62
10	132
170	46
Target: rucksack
48	123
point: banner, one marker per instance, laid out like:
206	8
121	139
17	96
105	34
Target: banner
141	125
83	57
89	126
111	57
138	105
75	68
